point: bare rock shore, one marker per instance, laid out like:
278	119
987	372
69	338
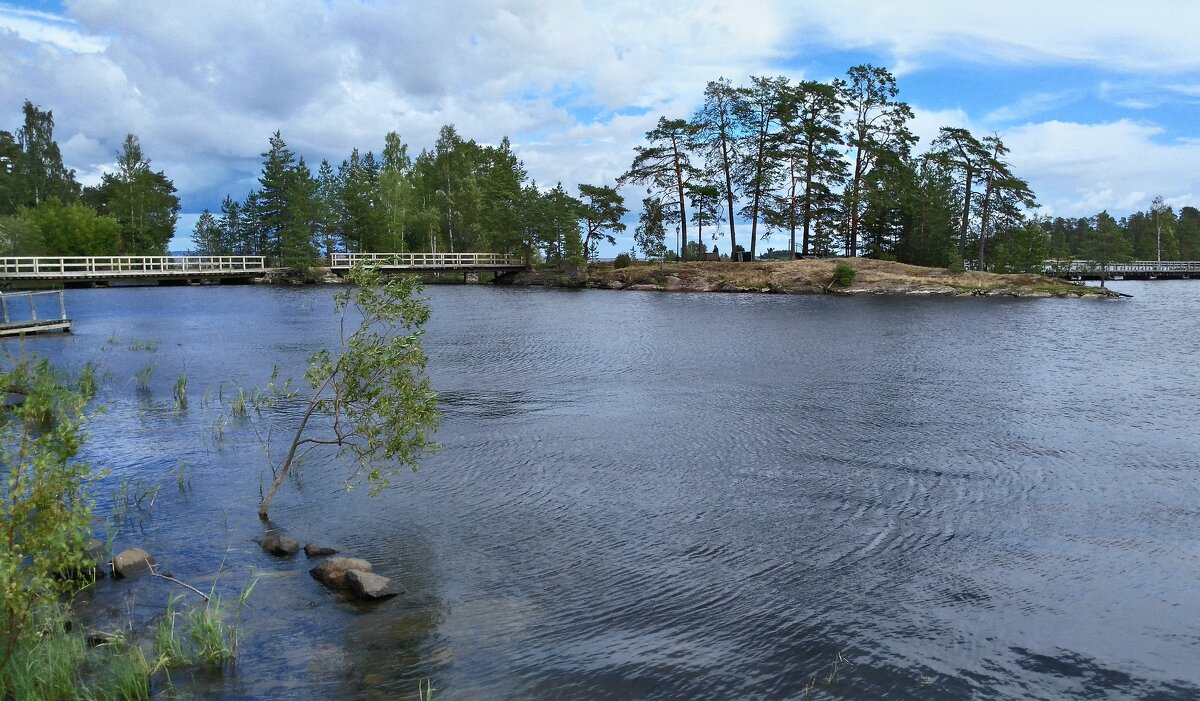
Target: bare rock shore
809	276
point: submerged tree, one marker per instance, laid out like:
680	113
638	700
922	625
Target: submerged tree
372	389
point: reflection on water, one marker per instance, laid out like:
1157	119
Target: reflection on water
678	496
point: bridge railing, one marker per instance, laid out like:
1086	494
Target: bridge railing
85	266
20	307
1079	267
424	260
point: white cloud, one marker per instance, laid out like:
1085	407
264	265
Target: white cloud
1154	37
1080	169
49	30
575	84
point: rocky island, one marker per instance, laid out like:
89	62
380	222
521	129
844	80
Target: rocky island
806	276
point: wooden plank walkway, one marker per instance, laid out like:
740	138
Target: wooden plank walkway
21	316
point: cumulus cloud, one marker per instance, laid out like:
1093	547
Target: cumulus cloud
1154	37
575	84
1080	169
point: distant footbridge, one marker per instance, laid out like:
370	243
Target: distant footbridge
1131	270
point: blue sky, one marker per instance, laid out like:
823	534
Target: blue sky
1097	101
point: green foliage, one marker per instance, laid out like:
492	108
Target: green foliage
373	389
142	200
54	227
651	233
622	261
45	510
843	275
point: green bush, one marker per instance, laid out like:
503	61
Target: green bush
622	261
843	275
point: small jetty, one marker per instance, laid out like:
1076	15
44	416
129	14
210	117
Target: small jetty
33	312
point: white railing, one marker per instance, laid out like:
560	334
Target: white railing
46	267
425	260
13	306
1066	267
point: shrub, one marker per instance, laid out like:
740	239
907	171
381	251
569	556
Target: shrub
843	275
622	261
44	507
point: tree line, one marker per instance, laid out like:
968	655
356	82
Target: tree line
829	167
458	196
45	211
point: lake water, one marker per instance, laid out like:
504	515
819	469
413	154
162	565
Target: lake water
686	496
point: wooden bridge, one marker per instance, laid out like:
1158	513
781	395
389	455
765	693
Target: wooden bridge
429	262
74	271
1131	270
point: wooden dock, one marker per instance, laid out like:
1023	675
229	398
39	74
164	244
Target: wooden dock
21	315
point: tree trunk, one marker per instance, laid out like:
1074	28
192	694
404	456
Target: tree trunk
728	195
966	217
682	203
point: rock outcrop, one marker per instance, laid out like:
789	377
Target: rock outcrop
280	545
132	562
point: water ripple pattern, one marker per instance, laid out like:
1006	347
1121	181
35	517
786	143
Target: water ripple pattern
687	496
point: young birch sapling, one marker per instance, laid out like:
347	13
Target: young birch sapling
371	392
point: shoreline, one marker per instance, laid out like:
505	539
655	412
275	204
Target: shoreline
805	276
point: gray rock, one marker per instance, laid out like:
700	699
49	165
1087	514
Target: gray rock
131	562
314	550
616	285
95	559
280	545
366	585
332	572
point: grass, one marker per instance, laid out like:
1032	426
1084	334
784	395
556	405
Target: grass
58	665
168	648
208	634
812	275
183	476
425	690
180	393
141	378
237	405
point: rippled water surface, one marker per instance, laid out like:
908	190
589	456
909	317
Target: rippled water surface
678	496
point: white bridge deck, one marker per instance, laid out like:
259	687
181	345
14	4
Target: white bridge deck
98	268
340	262
1139	269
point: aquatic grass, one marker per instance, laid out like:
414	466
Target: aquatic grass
119	671
208	634
180	393
237	405
87	380
826	681
141	378
168	649
133	495
425	689
45	665
147	346
183	476
219	425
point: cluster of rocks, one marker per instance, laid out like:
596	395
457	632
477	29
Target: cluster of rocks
340	573
351	574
